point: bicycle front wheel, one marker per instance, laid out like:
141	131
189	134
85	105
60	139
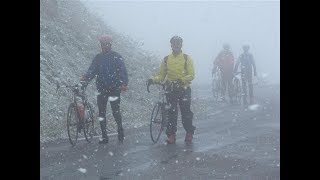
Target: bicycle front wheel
88	123
72	124
237	91
156	127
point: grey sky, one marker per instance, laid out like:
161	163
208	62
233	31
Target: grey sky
204	26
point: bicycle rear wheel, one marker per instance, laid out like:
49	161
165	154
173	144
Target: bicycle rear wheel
215	90
88	123
156	127
72	124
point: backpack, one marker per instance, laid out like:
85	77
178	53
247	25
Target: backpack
185	63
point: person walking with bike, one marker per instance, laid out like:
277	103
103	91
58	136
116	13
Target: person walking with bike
225	62
111	79
177	72
247	63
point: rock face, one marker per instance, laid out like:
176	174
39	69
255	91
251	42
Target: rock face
68	43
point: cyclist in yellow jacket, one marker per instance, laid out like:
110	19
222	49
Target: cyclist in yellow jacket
177	72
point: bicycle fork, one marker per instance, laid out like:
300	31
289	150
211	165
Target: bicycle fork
81	115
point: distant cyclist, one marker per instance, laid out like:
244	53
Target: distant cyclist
225	62
247	63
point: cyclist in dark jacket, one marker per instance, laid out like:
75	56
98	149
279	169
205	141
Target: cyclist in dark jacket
247	63
111	79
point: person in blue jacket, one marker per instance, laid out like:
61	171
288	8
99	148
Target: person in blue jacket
111	79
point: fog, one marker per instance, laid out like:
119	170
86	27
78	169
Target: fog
204	27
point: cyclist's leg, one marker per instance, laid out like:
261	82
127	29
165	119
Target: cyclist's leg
115	106
244	88
186	113
230	88
102	100
223	86
172	98
250	88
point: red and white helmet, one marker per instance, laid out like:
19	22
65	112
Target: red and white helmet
105	39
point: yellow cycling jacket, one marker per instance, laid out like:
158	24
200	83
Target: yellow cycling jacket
175	70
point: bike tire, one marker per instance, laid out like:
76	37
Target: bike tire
156	123
215	90
88	129
237	91
72	114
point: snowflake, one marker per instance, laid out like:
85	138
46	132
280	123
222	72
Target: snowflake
82	170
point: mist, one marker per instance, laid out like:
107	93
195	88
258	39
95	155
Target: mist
204	27
212	134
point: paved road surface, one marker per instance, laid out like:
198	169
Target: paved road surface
231	142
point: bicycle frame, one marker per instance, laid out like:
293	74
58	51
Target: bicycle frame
77	92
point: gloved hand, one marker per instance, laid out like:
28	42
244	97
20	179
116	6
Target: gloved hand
82	78
180	82
83	83
123	88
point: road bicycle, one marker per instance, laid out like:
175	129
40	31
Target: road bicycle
159	115
80	114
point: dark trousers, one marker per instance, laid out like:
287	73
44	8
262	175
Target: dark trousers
102	99
183	98
247	81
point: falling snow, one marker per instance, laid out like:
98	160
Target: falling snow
82	170
253	107
113	98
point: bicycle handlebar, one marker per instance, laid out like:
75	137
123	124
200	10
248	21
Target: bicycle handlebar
148	85
72	87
